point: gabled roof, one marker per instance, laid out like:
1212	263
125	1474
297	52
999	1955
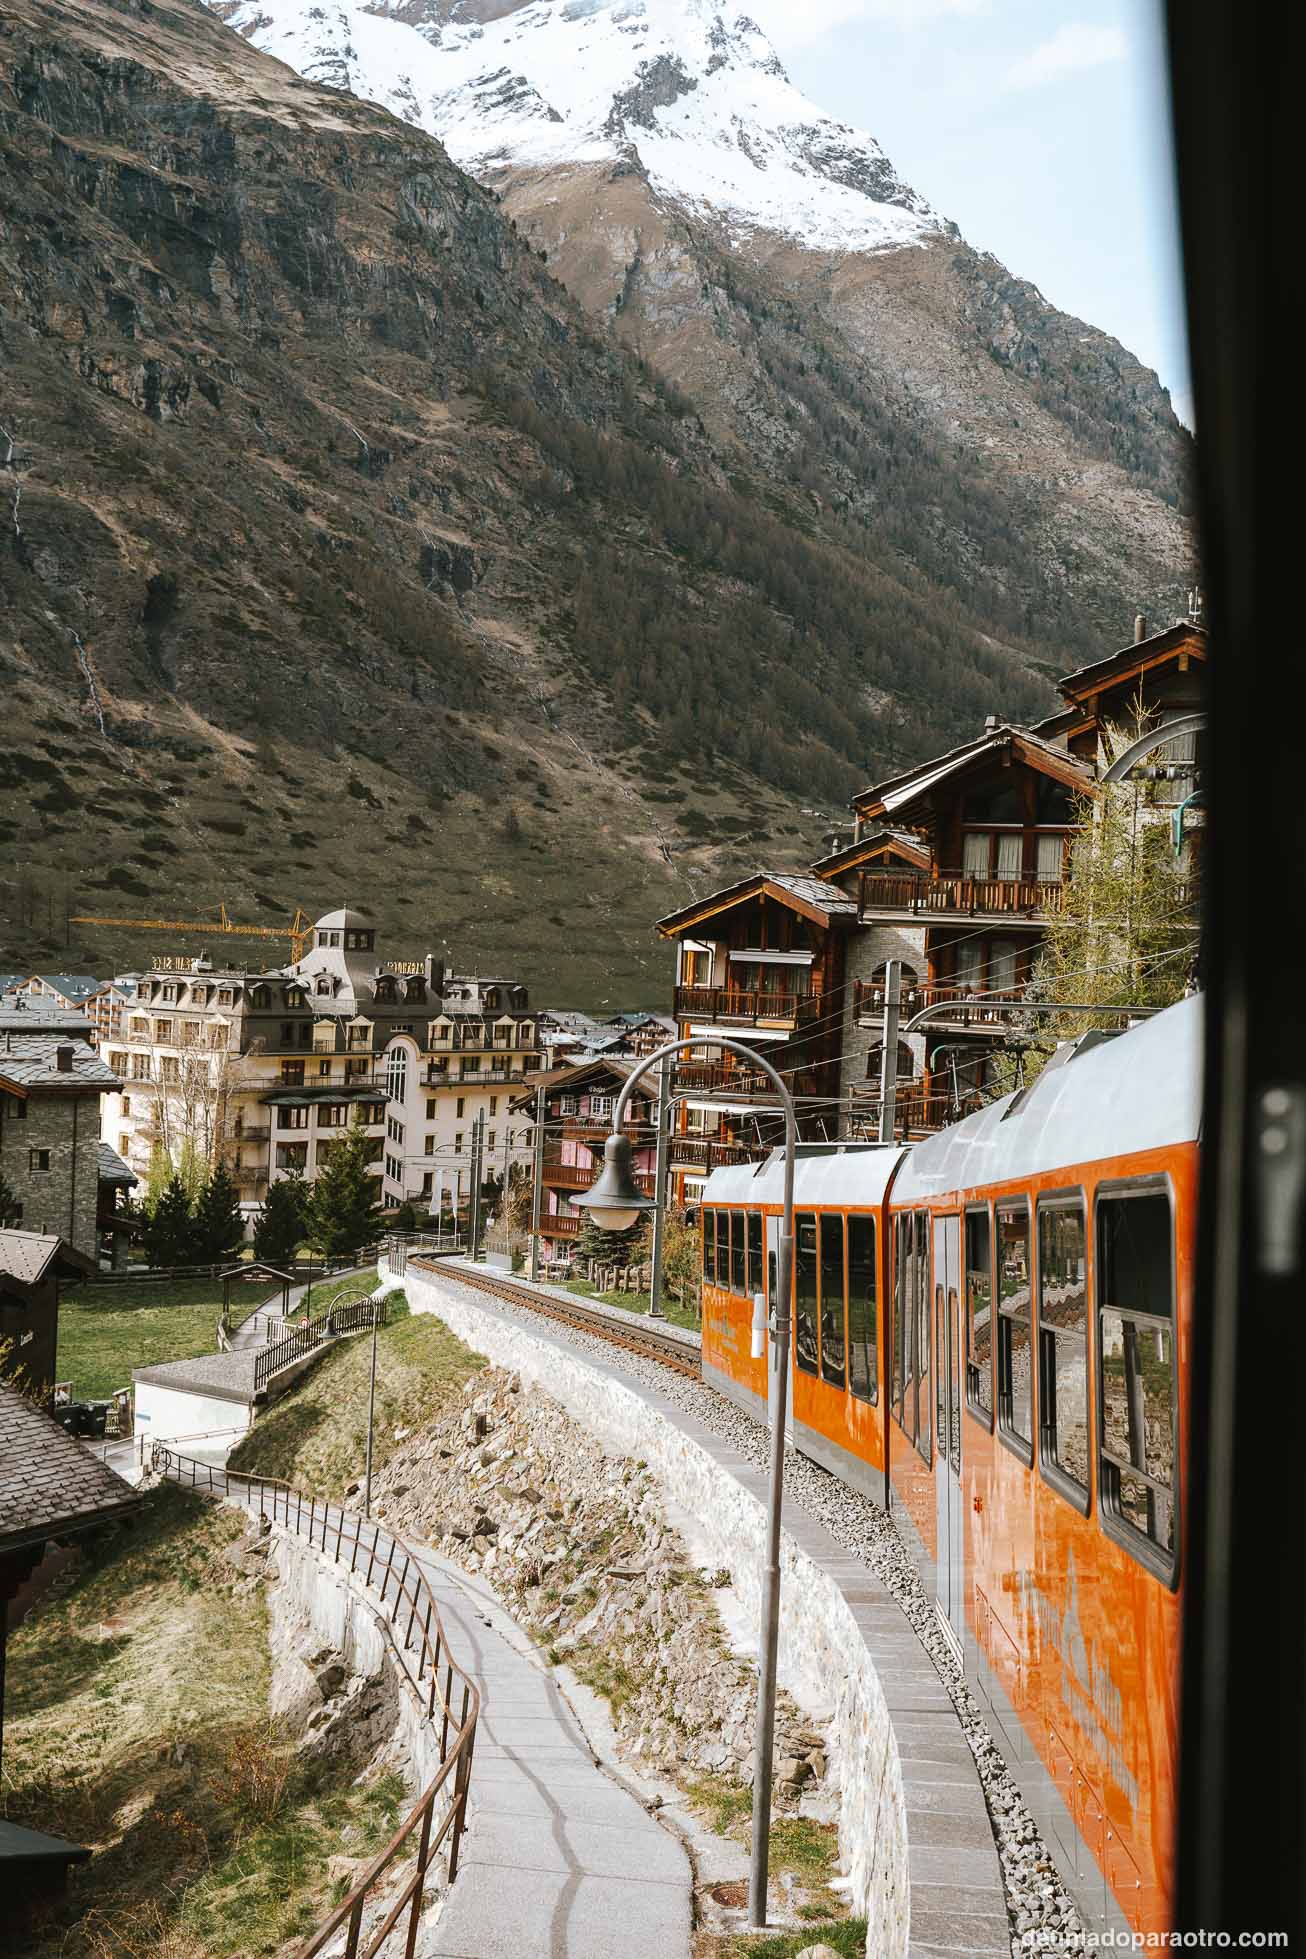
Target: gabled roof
1184	635
50	1484
32	1061
578	1072
72	987
28	1257
814	897
110	1168
905	842
899	792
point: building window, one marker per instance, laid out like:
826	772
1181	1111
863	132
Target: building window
323	1068
428	1146
38	1159
292	1074
491	1139
126	1105
333	1115
494	1105
601	1108
292	1118
568	1105
458	1139
1015	1374
428	1183
292	1156
1137	1410
1051	858
287	1033
1063	1345
431	1107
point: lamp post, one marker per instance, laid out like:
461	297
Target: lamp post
616	1202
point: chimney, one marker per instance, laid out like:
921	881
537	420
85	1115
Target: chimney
1140	628
63	1057
990	723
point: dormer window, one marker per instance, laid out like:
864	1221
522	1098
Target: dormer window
416	989
359	941
325	986
260	997
385	991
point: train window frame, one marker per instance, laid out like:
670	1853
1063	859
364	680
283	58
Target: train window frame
1078	1495
722	1283
755	1252
872	1223
1164	1566
811	1217
1010	1437
738	1254
986	1418
824	1218
707	1222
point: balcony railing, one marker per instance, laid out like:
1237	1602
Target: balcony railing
597	1129
954	892
251	1132
728	1003
553	1226
869	1003
575	1176
917	1112
702	1154
713	1077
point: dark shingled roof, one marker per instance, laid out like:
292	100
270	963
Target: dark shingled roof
50	1484
110	1168
31	1060
27	1257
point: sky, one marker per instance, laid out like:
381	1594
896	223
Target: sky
1040	126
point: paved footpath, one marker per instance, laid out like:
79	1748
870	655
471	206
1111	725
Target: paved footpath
559	1862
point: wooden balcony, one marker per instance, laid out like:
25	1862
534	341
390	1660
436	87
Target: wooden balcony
715	1078
868	1004
703	1155
575	1176
557	1227
597	1129
897	894
917	1111
727	1005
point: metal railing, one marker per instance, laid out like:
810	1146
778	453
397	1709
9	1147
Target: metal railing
421	1650
705	1154
307	1339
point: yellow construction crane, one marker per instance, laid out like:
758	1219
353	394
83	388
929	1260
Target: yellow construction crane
299	931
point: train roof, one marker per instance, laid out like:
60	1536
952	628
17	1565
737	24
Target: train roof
1140	1091
827	1174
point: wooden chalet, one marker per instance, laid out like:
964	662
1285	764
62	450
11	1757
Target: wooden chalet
578	1106
33	1266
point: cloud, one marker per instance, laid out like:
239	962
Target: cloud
797	23
1069	51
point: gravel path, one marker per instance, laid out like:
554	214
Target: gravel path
1043	1916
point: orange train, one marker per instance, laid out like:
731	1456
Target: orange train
991	1336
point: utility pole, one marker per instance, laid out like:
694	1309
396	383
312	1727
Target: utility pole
371	1414
537	1182
889	1052
660	1188
478	1132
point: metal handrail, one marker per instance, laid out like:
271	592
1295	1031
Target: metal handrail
306	1339
457	1714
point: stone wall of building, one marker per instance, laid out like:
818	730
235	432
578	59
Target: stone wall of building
867	951
62	1199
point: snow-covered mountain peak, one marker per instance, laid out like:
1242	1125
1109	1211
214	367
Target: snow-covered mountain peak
693	94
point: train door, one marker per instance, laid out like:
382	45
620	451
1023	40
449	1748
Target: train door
772	1375
950	1563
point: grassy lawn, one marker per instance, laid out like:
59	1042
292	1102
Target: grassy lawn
137	1724
636	1302
105	1331
316	1436
803	1851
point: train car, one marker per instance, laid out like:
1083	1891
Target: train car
1032	1318
839	1372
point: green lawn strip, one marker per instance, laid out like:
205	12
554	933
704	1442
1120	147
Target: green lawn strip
106	1331
137	1724
636	1302
801	1849
315	1437
846	1936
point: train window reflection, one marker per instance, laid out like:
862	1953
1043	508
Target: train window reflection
709	1246
1015	1376
863	1329
723	1249
979	1313
1137	1438
1063	1342
737	1279
833	1305
753	1276
806	1346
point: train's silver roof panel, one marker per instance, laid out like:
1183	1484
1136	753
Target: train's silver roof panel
856	1176
1139	1092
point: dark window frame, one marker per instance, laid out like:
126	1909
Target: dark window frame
755	1252
813	1371
986	1417
825	1219
870	1220
707	1261
738	1254
1163	1565
1054	1474
1010	1437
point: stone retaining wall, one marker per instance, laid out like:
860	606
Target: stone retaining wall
845	1644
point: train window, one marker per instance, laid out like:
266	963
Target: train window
863	1330
709	1246
755	1262
833	1303
920	1354
979	1314
806	1346
738	1281
1137	1430
902	1229
1015	1378
1063	1347
723	1250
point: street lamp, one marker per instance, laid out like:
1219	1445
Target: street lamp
615	1202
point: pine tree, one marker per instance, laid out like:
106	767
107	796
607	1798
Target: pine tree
281	1225
342	1209
169	1234
619	1248
218	1223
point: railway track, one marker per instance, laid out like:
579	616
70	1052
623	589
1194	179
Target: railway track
648	1341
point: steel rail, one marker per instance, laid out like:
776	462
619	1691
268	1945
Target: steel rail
648	1342
422	1652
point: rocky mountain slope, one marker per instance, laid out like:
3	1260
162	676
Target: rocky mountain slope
345	554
